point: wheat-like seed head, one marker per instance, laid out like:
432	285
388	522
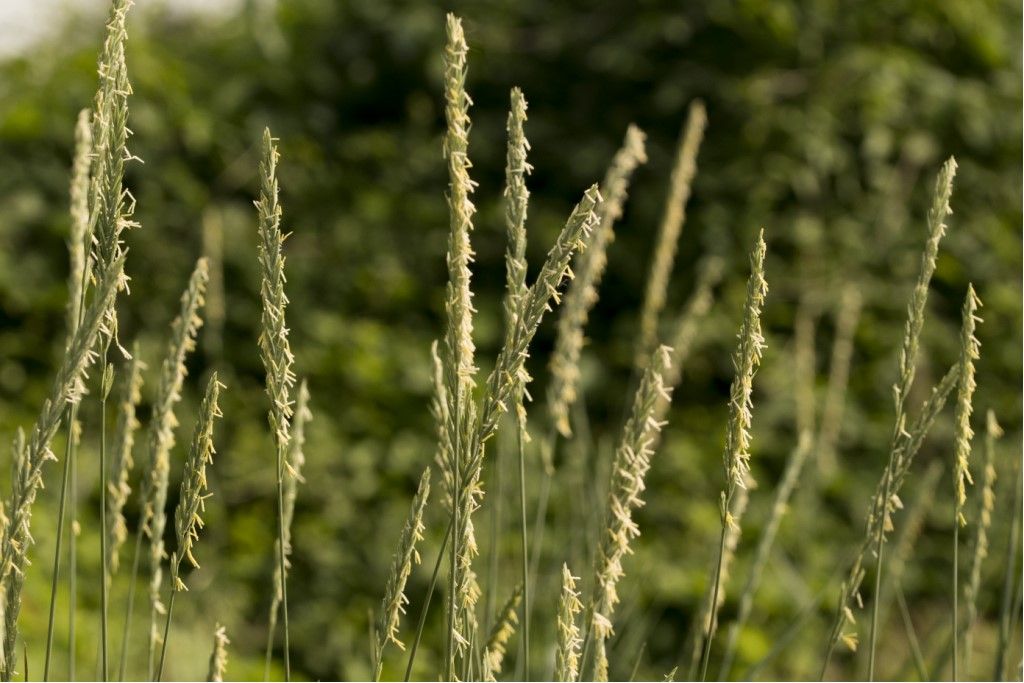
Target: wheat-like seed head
567	652
110	202
160	434
219	656
502	631
395	600
937	214
746	359
582	294
574	239
274	347
904	442
121	462
78	240
191	501
969	352
632	461
458	345
516	198
501	385
672	221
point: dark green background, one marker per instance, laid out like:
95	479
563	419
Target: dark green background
828	122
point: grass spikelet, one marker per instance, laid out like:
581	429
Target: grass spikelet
110	203
159	442
219	656
736	456
632	461
904	442
122	462
79	271
11	595
191	500
516	199
275	350
294	463
671	228
969	352
457	347
582	294
502	382
985	506
567	652
502	631
79	238
575	237
393	606
67	389
188	519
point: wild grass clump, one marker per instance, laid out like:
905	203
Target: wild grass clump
586	630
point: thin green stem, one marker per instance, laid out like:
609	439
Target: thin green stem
956	594
526	552
908	625
879	543
270	645
68	450
1011	583
103	533
72	550
636	664
122	665
167	633
426	604
705	657
282	562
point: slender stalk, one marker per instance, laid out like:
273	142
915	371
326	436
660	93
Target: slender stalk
1011	583
908	626
123	663
282	563
167	629
516	199
275	351
103	526
903	442
426	604
790	477
526	555
56	555
73	551
736	456
706	654
908	367
78	278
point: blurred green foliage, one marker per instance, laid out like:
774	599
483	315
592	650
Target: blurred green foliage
828	121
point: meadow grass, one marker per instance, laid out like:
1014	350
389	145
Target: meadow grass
468	410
